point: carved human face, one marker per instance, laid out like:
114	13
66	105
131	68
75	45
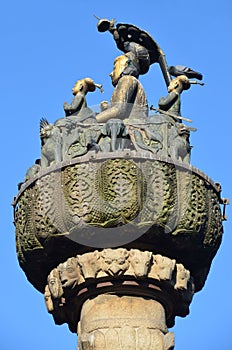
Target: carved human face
120	64
179	84
173	85
77	87
54	284
104	105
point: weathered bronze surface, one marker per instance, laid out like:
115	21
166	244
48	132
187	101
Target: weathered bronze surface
113	224
173	208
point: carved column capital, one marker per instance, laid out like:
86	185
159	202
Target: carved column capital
120	272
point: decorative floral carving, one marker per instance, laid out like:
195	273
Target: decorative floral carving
166	200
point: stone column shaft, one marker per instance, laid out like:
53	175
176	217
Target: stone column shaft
113	322
120	299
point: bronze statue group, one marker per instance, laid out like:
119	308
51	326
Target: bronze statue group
124	122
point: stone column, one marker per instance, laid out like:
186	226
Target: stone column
120	299
117	322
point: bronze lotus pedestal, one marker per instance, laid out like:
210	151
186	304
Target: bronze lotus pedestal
119	242
113	224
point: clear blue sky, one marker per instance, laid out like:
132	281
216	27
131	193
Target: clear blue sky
45	47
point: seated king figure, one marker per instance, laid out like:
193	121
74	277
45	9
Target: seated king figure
128	99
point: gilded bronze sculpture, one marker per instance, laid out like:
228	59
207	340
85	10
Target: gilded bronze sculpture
128	99
113	224
80	89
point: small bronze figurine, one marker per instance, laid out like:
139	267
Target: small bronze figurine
80	90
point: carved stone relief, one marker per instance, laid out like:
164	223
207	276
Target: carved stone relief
133	271
116	263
